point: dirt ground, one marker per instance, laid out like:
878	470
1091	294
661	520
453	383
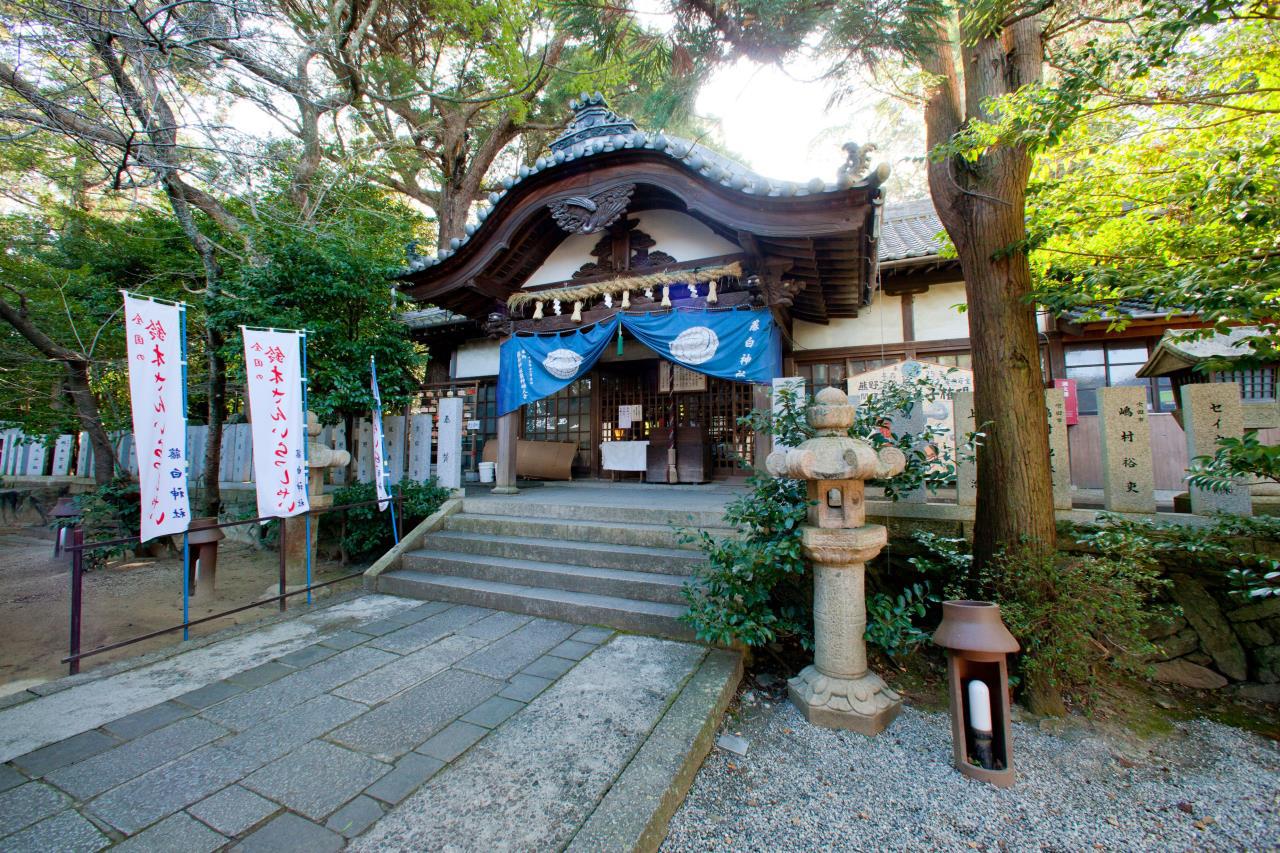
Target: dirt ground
126	598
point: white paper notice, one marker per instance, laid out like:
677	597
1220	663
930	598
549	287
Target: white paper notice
624	417
153	335
273	370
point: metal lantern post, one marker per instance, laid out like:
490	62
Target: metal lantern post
838	690
978	645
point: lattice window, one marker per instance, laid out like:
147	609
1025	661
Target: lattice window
564	416
717	409
1257	384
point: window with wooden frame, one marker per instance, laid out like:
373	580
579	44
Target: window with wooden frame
564	416
1105	364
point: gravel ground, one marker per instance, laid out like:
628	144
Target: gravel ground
1205	786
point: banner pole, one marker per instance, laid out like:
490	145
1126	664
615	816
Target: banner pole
186	459
306	460
186	587
383	467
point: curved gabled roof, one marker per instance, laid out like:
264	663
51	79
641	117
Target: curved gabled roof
819	233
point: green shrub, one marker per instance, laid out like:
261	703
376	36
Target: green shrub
111	511
366	532
755	587
1241	548
1071	613
736	597
1074	613
894	621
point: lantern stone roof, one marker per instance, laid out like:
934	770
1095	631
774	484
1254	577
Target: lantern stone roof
820	234
1183	349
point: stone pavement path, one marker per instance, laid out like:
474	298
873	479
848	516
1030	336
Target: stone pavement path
510	730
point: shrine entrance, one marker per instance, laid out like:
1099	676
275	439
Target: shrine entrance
706	408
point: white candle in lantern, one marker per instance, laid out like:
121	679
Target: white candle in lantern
979	706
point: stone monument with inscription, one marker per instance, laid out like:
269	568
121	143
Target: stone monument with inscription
449	443
1210	411
966	461
838	690
1128	479
914	422
1055	405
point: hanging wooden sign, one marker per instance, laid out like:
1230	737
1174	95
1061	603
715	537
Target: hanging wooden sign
673	377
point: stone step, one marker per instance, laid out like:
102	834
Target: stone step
645	586
580	530
530	506
625	614
671	561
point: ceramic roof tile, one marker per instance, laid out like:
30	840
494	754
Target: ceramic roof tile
910	230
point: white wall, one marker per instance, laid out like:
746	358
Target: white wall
677	234
476	358
935	315
879	322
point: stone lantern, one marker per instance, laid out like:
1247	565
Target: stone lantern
320	457
837	690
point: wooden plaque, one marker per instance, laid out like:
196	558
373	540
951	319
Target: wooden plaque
673	377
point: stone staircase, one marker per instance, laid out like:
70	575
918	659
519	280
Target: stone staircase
619	566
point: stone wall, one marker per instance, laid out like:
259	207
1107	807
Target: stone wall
1217	640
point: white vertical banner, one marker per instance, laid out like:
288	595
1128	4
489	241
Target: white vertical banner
273	378
157	378
379	443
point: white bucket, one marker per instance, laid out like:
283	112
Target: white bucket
486	471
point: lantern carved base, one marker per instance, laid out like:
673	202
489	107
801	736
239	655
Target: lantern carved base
864	705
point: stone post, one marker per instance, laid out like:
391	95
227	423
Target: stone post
364	451
966	465
84	456
61	456
420	447
449	436
1210	411
1055	404
761	442
320	457
913	422
837	690
792	383
1128	483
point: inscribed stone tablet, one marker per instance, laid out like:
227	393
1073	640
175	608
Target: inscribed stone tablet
1210	411
966	464
1128	480
1059	450
449	435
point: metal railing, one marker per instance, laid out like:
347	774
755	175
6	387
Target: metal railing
78	548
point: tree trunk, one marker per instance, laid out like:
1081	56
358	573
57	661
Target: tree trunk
452	214
104	455
217	414
1015	482
982	206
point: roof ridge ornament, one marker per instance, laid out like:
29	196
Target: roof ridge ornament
858	160
591	118
581	214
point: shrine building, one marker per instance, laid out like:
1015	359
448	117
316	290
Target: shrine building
608	291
